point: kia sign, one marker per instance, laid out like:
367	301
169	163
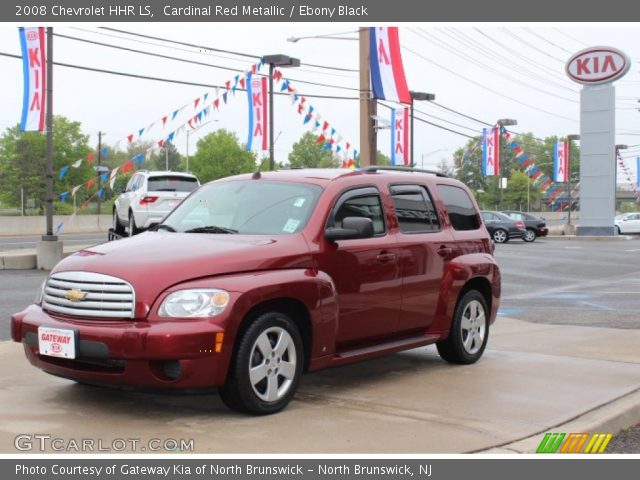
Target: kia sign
597	65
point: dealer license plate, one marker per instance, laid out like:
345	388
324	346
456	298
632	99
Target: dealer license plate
56	342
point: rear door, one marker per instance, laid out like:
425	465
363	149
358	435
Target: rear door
124	200
426	248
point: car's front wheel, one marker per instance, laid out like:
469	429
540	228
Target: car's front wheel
469	330
618	230
500	236
529	235
267	366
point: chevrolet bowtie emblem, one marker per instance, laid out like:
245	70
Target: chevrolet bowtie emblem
75	295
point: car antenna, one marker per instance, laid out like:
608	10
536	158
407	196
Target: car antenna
256	175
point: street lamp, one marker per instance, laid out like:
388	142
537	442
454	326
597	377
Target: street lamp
421	96
422	157
195	130
275	61
503	122
328	36
570	138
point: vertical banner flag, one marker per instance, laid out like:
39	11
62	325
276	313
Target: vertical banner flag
257	96
387	73
33	66
400	136
561	162
490	152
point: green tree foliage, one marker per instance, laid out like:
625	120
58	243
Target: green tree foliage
220	154
382	159
159	158
23	162
308	153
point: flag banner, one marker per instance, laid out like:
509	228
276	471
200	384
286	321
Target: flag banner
400	136
490	152
32	43
387	73
257	99
561	162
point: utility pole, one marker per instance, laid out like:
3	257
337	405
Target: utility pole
49	123
166	157
368	105
98	170
570	139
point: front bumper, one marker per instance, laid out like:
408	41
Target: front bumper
165	355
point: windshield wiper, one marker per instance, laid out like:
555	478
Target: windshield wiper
162	226
211	229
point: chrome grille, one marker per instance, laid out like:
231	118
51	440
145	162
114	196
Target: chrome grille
103	296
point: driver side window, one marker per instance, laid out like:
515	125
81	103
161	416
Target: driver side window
361	203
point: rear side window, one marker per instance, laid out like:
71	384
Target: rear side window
462	213
414	209
168	183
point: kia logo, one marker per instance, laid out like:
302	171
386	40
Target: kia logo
32	35
597	65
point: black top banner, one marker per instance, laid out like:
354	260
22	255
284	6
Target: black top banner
363	12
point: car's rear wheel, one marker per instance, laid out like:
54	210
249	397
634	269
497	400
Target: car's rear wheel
266	367
500	236
529	235
117	226
469	330
133	228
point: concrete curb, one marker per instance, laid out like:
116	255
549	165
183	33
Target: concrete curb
616	238
612	417
19	260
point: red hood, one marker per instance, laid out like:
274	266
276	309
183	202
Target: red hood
155	261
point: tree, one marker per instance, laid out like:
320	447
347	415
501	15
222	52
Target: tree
220	154
23	162
382	159
308	153
168	154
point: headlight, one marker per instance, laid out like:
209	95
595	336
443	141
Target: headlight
195	303
40	294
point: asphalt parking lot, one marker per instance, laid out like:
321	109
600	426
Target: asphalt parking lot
534	376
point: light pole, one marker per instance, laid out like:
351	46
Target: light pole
190	132
503	122
275	61
430	153
570	139
421	96
328	36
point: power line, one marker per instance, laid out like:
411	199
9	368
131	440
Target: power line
430	123
191	51
184	60
461	114
529	44
546	40
169	80
241	54
562	32
476	62
556	115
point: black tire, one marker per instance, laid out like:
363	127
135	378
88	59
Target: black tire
453	349
117	226
240	392
500	235
133	228
529	235
618	230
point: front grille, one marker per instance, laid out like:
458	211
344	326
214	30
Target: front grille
87	294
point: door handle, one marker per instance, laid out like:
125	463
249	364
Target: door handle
444	251
386	257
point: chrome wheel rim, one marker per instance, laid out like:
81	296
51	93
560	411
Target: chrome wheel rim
272	364
499	236
473	327
529	236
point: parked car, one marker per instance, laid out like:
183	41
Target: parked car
254	279
149	197
628	223
502	228
535	226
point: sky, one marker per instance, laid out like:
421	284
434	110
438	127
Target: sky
484	71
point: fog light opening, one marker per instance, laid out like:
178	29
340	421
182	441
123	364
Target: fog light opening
172	369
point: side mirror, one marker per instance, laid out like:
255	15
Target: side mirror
352	228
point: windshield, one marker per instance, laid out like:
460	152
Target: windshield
254	207
168	183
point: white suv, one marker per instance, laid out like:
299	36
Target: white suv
149	197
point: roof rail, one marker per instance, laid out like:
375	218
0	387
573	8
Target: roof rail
398	168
